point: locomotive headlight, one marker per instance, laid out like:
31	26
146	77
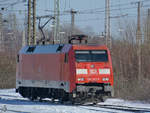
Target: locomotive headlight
81	71
92	66
80	79
104	71
105	79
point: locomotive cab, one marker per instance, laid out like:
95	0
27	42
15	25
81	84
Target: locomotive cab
94	74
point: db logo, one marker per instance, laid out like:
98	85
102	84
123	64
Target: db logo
93	71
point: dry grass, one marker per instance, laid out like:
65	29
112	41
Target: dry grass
7	70
125	64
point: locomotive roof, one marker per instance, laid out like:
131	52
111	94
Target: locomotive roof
86	47
46	49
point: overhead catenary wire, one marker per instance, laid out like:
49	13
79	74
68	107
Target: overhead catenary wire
123	6
80	12
86	11
111	6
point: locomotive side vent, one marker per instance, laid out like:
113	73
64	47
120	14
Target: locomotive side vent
31	49
59	48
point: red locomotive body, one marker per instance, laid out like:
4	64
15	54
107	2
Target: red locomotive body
65	72
45	71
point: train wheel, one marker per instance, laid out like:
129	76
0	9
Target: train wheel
33	98
103	99
39	99
32	94
22	91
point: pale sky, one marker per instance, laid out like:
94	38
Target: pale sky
90	12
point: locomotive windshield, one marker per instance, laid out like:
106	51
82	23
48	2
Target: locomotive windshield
91	56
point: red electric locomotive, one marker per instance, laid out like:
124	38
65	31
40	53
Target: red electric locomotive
68	72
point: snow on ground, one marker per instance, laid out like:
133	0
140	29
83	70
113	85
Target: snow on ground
11	102
121	102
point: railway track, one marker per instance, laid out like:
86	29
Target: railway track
92	107
113	107
120	108
9	110
106	106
